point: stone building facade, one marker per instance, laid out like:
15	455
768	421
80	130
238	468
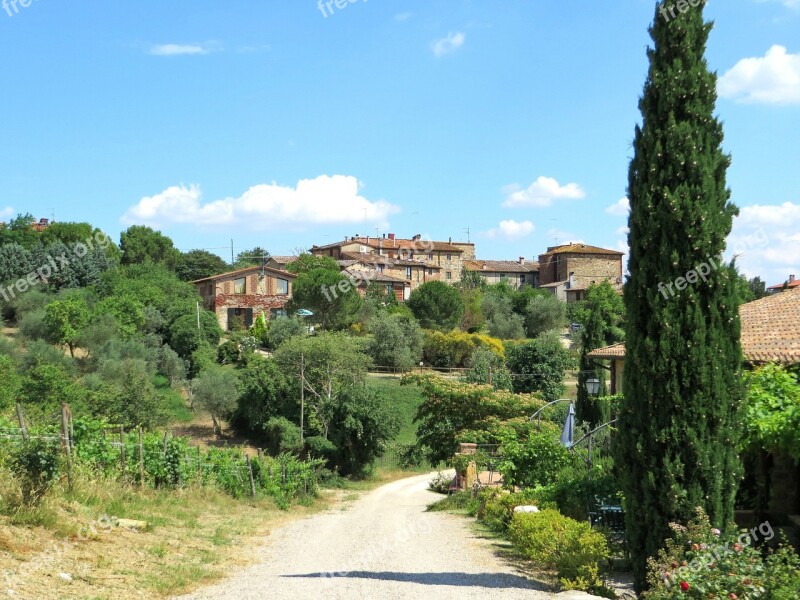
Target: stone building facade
515	273
423	257
246	293
570	269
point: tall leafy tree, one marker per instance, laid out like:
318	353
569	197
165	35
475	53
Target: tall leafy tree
65	320
437	305
678	427
198	264
601	316
141	244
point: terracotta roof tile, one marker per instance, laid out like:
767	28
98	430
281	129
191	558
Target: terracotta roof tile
580	249
770	331
502	266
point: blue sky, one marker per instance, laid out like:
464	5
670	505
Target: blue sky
273	124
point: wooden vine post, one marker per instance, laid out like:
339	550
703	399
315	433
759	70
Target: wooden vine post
122	456
65	441
250	473
141	459
21	420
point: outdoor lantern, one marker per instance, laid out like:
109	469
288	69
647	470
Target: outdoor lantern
593	386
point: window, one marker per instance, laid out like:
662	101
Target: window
449	257
283	287
522	279
449	275
240	286
408	272
430	256
275	313
389	290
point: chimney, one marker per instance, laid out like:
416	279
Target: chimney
791	278
391	236
522	260
571	283
384	236
450	241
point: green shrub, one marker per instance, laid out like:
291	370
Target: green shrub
36	464
699	562
575	488
441	483
532	462
282	435
569	547
497	507
454	349
462	502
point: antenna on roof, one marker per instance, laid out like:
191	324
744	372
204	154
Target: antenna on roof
467	230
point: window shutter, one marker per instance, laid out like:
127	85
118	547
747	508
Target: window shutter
228	287
253	284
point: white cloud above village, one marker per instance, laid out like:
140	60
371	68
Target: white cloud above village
542	192
620	208
324	200
182	49
511	230
766	241
448	44
6	213
771	79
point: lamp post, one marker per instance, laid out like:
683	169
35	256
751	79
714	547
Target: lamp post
593	386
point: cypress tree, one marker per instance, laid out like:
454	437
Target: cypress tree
679	423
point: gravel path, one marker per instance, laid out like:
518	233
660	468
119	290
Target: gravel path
383	546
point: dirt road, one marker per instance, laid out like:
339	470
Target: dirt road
383	546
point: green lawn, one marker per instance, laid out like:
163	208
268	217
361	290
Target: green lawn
407	399
176	405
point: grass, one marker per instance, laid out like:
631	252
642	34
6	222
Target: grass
193	537
407	399
176	406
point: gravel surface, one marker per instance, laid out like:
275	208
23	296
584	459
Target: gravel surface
383	546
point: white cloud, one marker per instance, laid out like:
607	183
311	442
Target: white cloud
321	201
448	44
766	241
620	208
181	49
542	192
403	17
771	79
624	230
6	213
511	230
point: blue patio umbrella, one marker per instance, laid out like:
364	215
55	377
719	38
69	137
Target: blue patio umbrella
568	433
305	312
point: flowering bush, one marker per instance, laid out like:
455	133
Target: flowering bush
698	562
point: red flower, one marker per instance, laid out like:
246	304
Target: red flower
733	596
684	586
737	547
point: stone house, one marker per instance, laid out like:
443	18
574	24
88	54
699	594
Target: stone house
568	270
448	256
515	273
246	293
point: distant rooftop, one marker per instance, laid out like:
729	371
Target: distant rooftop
580	249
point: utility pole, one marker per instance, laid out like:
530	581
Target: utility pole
198	316
302	395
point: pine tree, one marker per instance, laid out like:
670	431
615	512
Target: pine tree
679	423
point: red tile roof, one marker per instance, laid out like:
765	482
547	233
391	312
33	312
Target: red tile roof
246	271
580	249
770	331
502	266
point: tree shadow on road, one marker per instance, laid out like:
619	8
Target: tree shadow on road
484	580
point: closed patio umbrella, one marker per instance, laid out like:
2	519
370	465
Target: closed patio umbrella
568	433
